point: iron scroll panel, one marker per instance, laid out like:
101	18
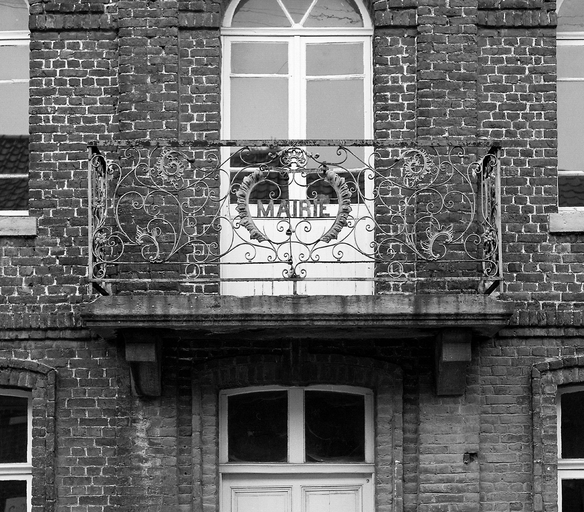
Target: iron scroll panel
178	213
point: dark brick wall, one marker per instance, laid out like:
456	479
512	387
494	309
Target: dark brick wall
111	71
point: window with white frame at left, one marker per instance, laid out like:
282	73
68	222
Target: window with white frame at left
15	451
14	95
570	89
571	449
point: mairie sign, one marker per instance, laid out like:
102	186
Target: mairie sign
294	208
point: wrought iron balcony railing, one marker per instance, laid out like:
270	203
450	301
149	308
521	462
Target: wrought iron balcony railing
403	219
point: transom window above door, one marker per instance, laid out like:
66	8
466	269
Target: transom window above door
316	425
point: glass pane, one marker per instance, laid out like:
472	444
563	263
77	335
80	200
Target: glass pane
571	190
13	15
13	495
320	190
334	59
570	125
297	8
259	108
571	16
259	13
572	496
13	154
14	108
334	13
572	425
570	61
13	429
335	109
334	427
259	58
257	425
14	194
14	61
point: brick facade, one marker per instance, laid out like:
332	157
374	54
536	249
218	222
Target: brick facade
462	70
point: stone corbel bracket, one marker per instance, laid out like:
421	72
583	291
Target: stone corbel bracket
453	356
143	351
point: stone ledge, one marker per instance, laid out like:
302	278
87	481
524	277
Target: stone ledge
567	221
21	225
299	316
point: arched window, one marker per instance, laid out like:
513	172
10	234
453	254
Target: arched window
570	449
570	56
15	449
14	84
296	70
297	449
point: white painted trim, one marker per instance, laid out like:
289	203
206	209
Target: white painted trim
21	471
14	81
19	37
566	37
296	426
296	469
367	23
292	31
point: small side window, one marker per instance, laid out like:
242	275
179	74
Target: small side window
14	96
571	449
570	87
15	450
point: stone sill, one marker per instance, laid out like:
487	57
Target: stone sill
17	225
567	221
299	316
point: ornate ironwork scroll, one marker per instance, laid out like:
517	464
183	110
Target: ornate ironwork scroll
177	214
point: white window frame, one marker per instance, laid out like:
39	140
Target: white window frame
16	222
296	464
571	39
21	470
568	469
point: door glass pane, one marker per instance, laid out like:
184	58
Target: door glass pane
571	190
334	13
13	429
13	15
335	109
257	425
13	495
572	425
334	427
572	496
259	13
334	59
259	108
570	125
259	58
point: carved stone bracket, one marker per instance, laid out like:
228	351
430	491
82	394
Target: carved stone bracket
453	355
143	352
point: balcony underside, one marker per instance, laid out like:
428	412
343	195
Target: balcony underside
142	322
299	316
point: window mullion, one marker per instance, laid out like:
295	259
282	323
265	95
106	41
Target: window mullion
296	426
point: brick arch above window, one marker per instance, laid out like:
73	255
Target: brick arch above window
546	378
40	380
384	379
